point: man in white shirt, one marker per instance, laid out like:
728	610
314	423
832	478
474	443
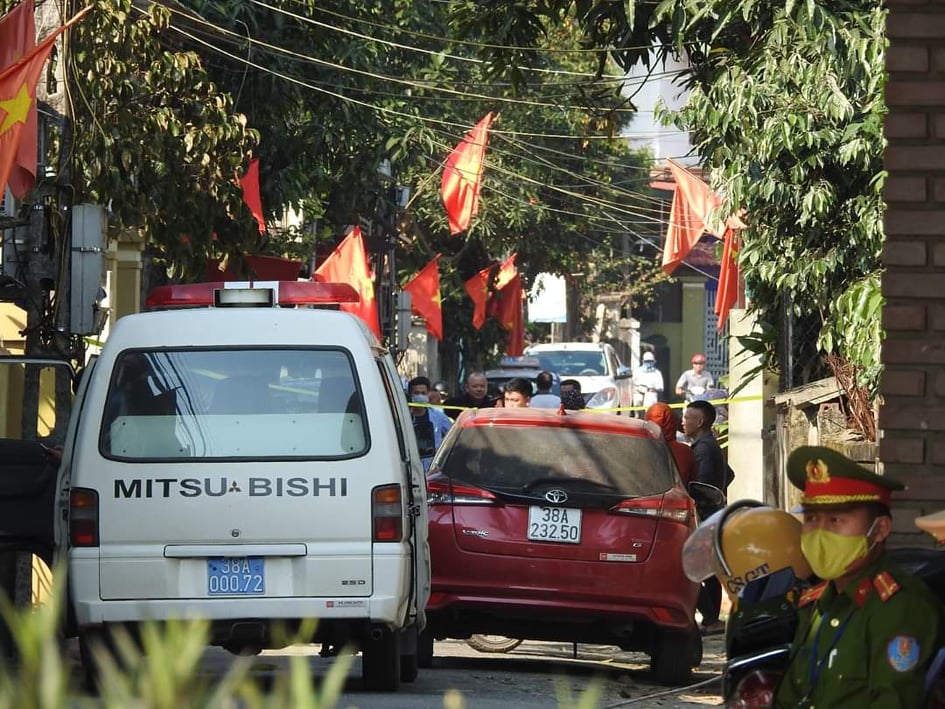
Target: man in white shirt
544	399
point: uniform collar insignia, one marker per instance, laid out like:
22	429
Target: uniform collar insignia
862	592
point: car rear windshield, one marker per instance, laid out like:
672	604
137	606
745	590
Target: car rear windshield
574	362
514	458
233	403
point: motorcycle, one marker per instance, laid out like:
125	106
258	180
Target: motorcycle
763	622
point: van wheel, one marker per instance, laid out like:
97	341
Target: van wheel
409	660
380	662
492	643
672	657
425	649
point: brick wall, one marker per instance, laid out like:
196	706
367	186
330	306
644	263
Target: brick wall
912	418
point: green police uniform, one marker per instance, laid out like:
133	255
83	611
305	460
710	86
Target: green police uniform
871	644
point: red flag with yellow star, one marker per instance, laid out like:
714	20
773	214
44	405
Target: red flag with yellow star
509	311
348	263
424	289
17	37
462	176
478	289
18	97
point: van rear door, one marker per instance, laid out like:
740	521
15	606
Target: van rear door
247	465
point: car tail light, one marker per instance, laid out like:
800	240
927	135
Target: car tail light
755	690
673	506
388	513
83	517
442	491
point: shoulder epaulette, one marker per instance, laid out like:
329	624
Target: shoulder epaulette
886	585
862	592
811	594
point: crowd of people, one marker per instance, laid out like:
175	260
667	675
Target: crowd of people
883	625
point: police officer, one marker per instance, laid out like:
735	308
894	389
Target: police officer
868	630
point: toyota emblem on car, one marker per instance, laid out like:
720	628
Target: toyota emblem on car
556	496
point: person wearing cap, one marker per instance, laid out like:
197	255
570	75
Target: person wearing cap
868	631
696	381
430	424
648	382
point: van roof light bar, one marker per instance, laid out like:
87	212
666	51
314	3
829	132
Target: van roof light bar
250	294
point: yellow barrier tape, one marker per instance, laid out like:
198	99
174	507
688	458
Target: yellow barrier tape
682	405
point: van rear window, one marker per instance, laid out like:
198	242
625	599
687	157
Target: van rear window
233	403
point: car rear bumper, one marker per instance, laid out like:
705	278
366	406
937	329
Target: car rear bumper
472	589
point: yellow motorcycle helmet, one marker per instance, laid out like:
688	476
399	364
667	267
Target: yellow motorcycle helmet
743	542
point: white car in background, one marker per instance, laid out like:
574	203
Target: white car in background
605	382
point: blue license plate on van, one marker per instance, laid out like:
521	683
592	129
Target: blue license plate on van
236	576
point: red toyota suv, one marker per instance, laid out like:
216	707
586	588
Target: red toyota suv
563	526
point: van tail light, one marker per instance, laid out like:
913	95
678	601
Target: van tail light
443	491
83	517
387	511
675	506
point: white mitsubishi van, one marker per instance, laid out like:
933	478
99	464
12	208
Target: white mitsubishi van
254	466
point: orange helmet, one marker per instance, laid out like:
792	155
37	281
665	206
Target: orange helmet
743	542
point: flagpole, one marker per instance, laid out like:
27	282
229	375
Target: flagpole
425	182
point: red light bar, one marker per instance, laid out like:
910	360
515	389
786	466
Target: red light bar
196	295
310	293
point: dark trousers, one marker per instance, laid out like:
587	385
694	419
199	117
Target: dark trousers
710	600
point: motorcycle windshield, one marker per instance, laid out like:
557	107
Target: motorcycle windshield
699	559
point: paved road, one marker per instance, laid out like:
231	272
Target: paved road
535	674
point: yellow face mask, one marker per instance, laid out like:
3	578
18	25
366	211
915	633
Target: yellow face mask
831	554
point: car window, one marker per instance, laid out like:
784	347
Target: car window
511	458
233	403
574	362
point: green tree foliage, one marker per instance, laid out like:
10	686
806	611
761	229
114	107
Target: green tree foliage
335	89
154	139
786	109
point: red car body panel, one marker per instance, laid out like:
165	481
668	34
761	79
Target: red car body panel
625	574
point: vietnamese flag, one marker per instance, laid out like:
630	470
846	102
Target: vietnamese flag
693	203
250	184
478	289
462	176
424	289
18	97
507	271
348	263
727	294
17	37
509	311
